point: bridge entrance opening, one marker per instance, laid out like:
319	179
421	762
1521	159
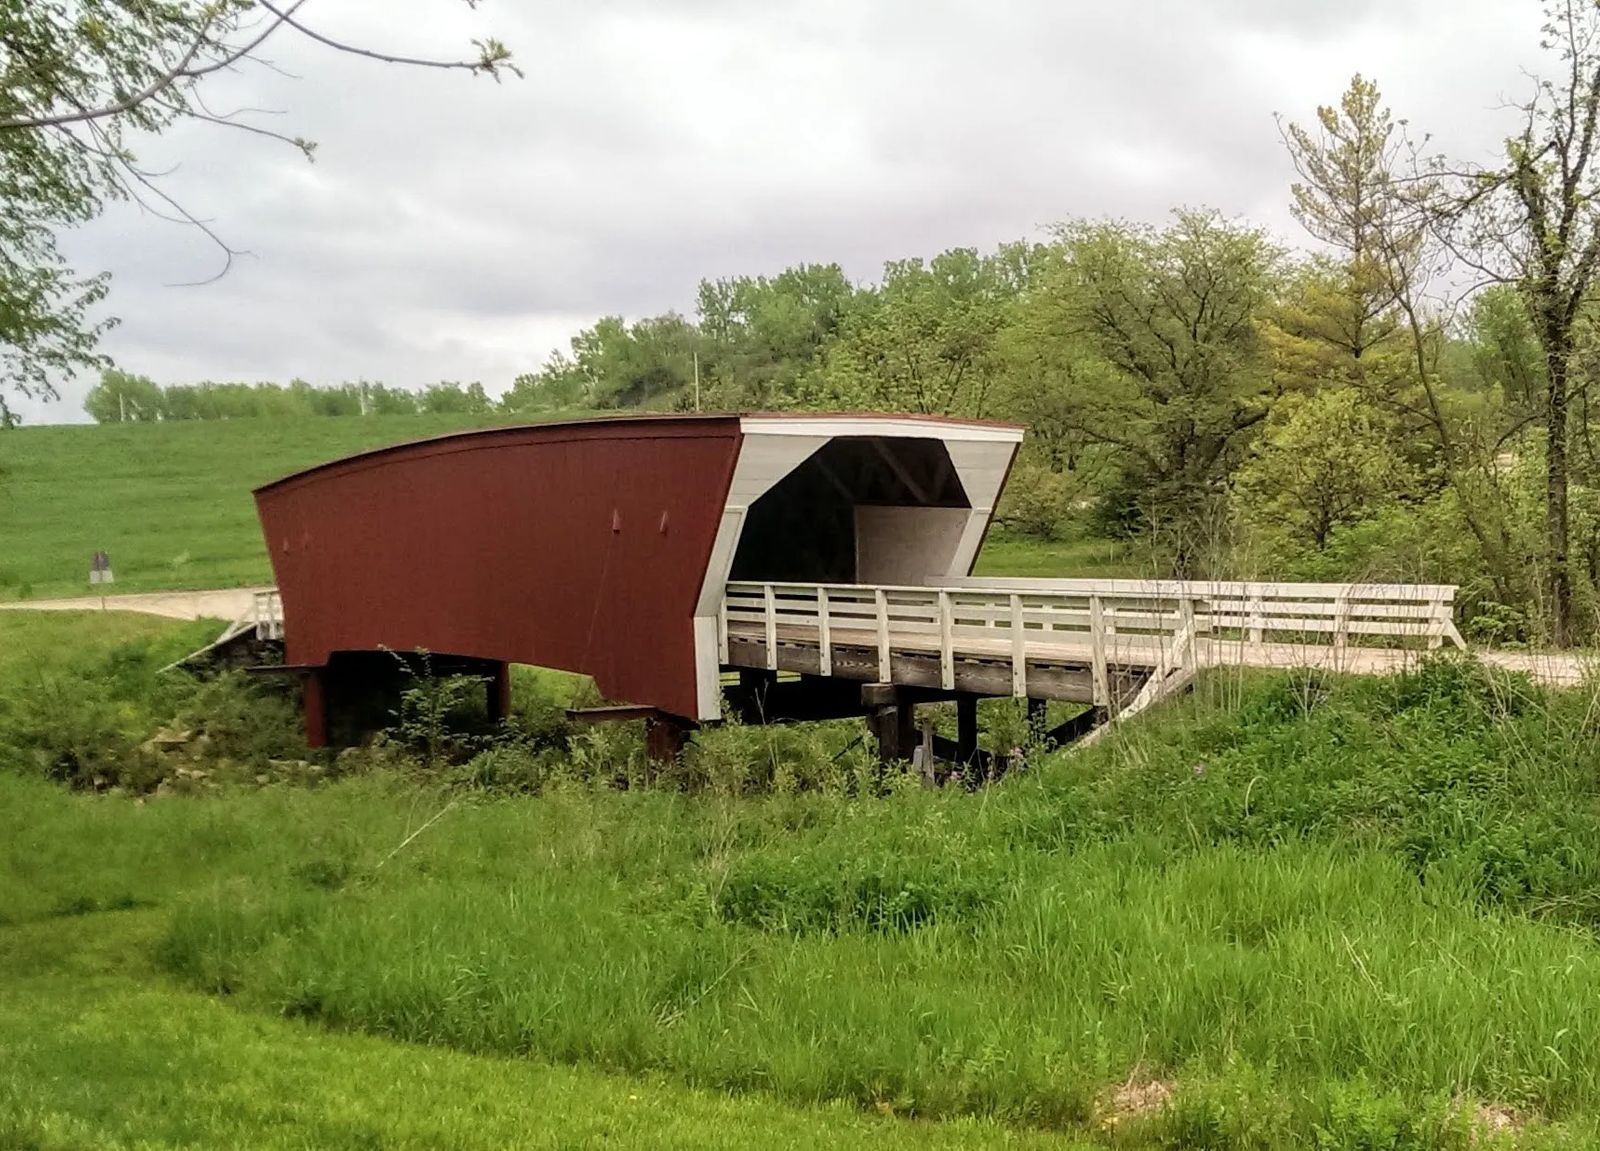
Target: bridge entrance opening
863	509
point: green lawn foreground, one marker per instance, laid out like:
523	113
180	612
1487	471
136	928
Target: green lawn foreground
100	1048
1356	915
98	1051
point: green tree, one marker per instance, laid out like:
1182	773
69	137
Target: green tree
121	397
1320	465
449	397
558	386
926	340
78	82
1175	379
1534	222
382	400
1364	319
764	336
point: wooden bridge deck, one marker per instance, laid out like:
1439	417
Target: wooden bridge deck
1116	644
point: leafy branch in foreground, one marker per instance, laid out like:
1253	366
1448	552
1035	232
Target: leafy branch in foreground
78	83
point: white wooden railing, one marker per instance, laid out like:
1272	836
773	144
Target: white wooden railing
267	613
1161	625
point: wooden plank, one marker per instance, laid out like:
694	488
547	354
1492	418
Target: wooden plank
824	646
1173	589
947	667
884	660
722	630
772	627
922	670
1019	650
618	713
1097	637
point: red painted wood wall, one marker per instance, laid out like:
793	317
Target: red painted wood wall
575	546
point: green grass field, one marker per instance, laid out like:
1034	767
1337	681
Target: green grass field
102	1051
1292	912
171	503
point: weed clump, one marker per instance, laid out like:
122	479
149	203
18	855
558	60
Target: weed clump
836	891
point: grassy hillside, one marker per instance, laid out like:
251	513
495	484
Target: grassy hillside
171	502
1287	912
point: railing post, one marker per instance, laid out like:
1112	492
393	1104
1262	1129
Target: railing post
1257	613
1019	650
1341	620
884	670
1101	677
947	656
771	599
824	636
1438	614
722	628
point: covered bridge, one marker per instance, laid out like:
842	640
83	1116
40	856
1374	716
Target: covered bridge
824	559
605	547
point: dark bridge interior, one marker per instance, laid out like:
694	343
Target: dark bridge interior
804	529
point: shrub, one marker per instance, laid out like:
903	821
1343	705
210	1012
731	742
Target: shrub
1037	501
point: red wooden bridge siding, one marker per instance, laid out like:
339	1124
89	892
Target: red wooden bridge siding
572	546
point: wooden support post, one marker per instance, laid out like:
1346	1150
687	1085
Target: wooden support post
1257	613
1019	650
771	599
314	703
1184	641
895	727
665	737
1341	621
947	655
499	693
967	729
1100	677
884	653
824	635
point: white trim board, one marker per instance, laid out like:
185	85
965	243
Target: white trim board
888	427
773	447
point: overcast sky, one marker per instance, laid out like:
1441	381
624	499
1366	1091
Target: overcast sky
455	228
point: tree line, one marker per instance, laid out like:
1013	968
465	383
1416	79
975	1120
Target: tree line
122	397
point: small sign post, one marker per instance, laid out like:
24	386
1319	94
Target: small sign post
100	574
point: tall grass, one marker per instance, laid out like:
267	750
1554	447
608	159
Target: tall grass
1353	905
1326	912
